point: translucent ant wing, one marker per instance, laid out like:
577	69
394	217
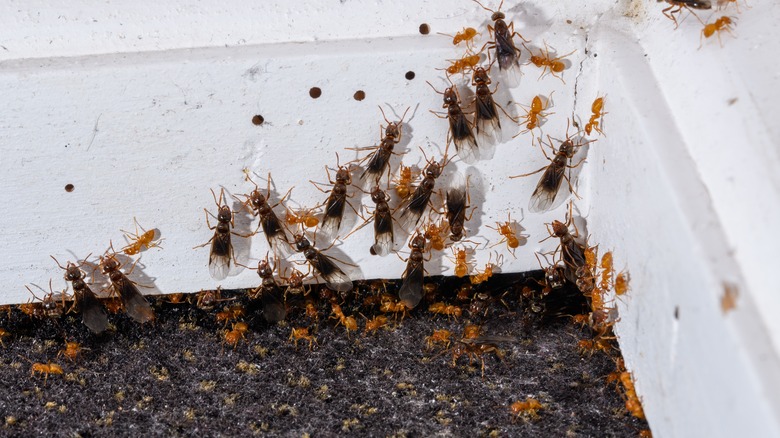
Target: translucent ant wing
135	304
92	313
334	277
456	200
274	309
411	291
334	212
487	127
463	137
547	189
376	168
383	235
221	256
276	236
411	214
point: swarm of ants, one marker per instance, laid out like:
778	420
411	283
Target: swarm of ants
403	205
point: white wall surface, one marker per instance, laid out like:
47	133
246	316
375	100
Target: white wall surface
144	107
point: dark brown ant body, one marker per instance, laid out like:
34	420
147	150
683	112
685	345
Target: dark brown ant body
411	291
334	277
549	184
221	257
92	313
383	223
507	54
379	160
271	294
460	131
413	211
677	6
272	226
457	202
337	200
487	126
134	303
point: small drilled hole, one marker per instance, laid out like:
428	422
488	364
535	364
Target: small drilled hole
425	29
69	188
410	75
677	312
315	92
359	95
258	120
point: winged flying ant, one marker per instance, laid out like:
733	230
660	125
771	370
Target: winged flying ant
411	291
133	301
507	54
334	277
272	226
460	132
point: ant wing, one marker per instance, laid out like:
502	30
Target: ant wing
487	127
410	293
334	277
92	313
383	236
221	256
135	304
275	235
463	137
508	56
274	309
376	168
547	189
334	212
457	199
411	214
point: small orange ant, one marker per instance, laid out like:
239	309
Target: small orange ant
467	35
461	265
481	277
535	113
553	65
403	185
508	234
445	309
375	323
719	25
463	65
302	333
528	408
3	334
139	241
233	337
621	283
45	369
71	351
305	217
595	119
433	234
438	337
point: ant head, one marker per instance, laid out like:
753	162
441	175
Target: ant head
450	96
256	198
301	242
224	214
378	196
418	241
264	269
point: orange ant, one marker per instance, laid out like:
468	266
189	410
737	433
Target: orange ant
433	234
481	277
590	346
233	337
463	64
349	322
595	119
304	217
554	65
535	113
607	271
139	241
461	265
389	305
438	337
375	323
467	35
302	333
403	185
719	25
3	334
527	408
44	368
508	235
71	351
445	309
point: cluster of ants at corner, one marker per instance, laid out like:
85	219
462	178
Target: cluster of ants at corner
575	261
721	24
